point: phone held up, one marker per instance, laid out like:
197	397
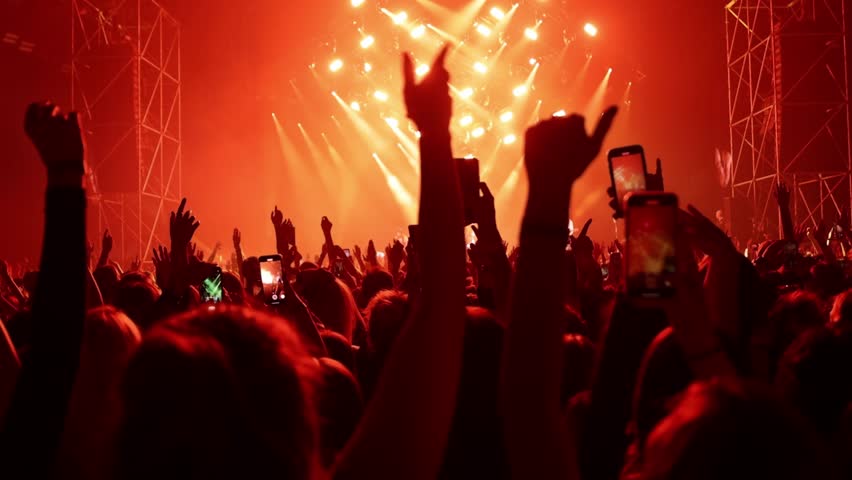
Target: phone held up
651	261
272	278
628	171
211	287
468	170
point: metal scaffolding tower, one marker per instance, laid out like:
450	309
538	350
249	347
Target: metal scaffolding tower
126	83
788	100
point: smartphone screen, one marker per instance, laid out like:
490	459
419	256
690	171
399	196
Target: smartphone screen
347	252
272	277
468	169
211	287
627	169
651	261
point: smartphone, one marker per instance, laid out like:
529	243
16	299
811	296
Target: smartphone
651	220
337	269
211	287
468	170
347	252
627	170
272	278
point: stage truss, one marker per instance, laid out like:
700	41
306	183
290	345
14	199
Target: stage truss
126	83
788	99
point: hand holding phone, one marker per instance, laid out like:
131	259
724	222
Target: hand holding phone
628	172
211	289
272	278
651	257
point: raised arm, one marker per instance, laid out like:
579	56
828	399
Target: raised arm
404	431
782	195
106	248
238	250
557	152
36	417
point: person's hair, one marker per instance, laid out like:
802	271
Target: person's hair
339	405
841	311
330	300
233	286
815	374
219	393
338	348
109	339
375	281
792	314
725	428
386	314
138	300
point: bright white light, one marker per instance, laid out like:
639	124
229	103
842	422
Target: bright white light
417	134
483	30
357	3
520	90
394	123
590	30
422	69
506	117
465	120
367	41
367	67
400	18
381	96
355	106
477	132
533	61
497	13
531	33
466	92
418	31
509	139
335	65
469	156
480	67
560	113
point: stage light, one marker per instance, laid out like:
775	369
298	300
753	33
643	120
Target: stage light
466	92
367	67
533	61
335	65
418	31
394	123
609	71
417	134
469	156
466	120
355	106
497	13
483	30
590	30
381	96
506	117
560	113
400	18
422	69
520	91
480	67
531	33
477	132
509	139
367	41
357	3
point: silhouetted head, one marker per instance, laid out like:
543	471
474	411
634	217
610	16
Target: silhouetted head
330	300
792	315
815	374
578	364
109	339
374	282
138	300
386	314
233	286
729	429
841	311
251	275
222	393
339	407
339	348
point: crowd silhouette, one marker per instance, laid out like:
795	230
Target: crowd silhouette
443	360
